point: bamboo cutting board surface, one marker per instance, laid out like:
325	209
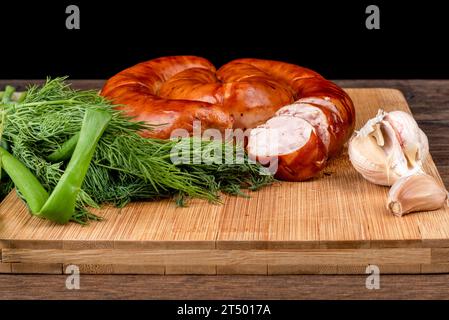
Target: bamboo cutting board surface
336	223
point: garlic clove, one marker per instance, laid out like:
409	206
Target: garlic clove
370	160
401	147
423	150
375	152
412	138
371	124
378	135
418	192
392	148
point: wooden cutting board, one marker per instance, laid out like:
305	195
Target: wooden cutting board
334	224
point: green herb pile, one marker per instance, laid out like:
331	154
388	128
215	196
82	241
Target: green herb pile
41	129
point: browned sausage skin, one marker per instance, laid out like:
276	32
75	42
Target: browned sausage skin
172	92
138	92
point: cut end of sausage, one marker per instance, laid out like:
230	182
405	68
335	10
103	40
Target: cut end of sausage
290	142
279	136
313	115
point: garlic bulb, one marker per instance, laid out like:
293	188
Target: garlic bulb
390	150
418	192
388	147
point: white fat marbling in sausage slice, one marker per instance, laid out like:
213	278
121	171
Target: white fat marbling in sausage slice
314	115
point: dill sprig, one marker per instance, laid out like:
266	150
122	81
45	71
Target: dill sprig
125	166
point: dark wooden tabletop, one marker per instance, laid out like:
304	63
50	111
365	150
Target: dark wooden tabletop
429	101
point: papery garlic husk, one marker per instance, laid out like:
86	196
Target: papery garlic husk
388	147
418	192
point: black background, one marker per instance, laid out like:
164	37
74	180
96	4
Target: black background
328	36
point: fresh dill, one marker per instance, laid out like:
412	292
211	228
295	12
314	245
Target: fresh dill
125	166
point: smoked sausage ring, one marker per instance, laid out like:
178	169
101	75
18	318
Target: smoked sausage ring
172	92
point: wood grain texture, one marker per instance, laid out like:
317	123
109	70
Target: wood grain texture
182	287
36	268
337	218
227	257
429	101
5	267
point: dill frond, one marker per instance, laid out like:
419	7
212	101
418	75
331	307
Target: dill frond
125	167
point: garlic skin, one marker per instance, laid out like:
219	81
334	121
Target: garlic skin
388	147
418	192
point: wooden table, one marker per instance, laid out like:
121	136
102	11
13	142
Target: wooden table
429	101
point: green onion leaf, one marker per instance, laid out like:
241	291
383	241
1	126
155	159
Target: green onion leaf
65	151
61	204
27	184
